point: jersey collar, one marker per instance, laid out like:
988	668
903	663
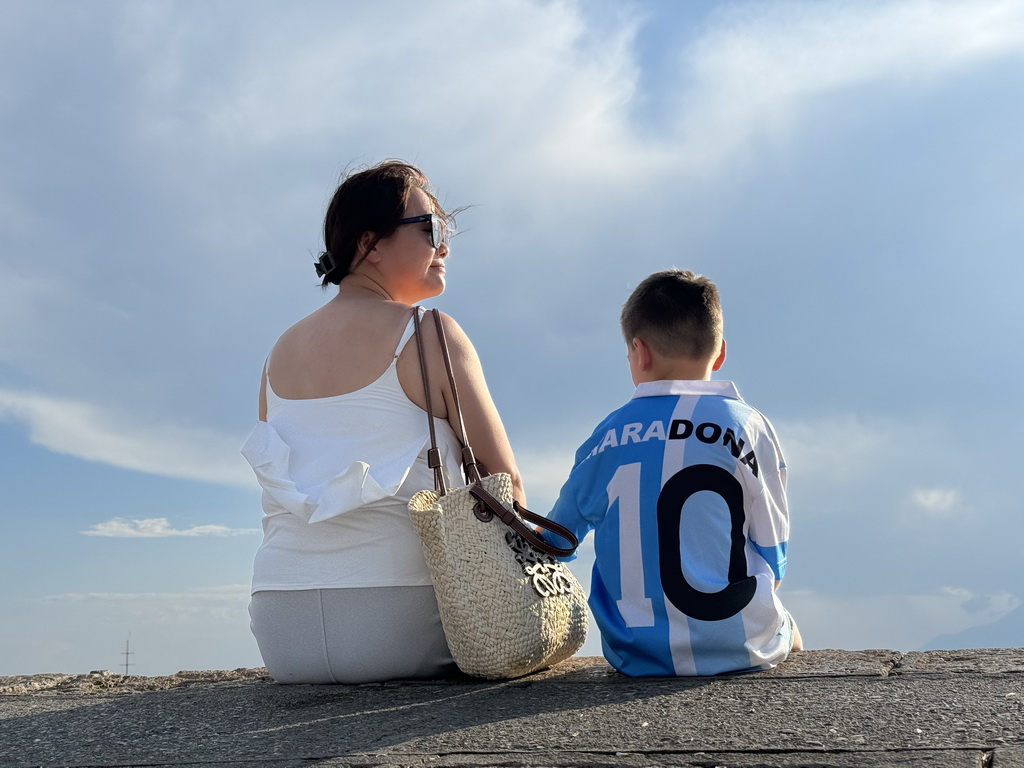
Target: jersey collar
686	387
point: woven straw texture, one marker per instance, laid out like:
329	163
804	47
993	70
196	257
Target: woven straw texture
496	623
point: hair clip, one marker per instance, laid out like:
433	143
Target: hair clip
325	264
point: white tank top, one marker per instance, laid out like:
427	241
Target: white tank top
337	474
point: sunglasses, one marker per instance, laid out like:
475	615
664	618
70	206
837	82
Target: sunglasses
438	229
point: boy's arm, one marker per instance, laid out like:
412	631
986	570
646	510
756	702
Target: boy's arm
562	515
566	512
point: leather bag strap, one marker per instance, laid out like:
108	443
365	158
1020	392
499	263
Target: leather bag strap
470	467
434	454
487	505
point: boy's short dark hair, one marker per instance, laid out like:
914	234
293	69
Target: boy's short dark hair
677	313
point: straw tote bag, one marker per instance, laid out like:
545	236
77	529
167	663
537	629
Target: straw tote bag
508	607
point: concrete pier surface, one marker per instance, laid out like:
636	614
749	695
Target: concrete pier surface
820	708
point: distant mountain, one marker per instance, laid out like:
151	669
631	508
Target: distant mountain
1007	632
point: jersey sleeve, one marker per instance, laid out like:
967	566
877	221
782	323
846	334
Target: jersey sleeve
567	511
769	519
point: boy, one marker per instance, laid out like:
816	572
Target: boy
685	490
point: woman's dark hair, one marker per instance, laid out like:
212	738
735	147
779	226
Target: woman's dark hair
372	200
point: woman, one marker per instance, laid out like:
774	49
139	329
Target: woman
341	591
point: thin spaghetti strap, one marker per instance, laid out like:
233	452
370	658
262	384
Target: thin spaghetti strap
407	334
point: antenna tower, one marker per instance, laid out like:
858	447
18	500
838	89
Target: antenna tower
127	654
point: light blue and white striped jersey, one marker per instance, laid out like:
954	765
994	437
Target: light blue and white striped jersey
685	490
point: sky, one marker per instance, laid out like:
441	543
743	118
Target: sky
851	175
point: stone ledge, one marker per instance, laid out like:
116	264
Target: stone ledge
821	708
579	669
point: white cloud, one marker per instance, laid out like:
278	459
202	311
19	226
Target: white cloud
844	464
902	622
549	88
991	606
225	603
839	447
937	500
159	527
551	81
757	69
47	321
102	434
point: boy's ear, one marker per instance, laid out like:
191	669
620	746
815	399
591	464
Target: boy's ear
720	359
642	354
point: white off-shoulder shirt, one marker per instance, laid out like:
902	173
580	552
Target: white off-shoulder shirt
337	474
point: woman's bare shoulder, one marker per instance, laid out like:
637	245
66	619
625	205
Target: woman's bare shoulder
337	349
295	338
458	340
338	321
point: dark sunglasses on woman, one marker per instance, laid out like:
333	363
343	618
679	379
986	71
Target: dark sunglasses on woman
438	229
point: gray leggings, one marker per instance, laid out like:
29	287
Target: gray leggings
357	635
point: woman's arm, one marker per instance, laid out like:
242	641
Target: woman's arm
263	394
484	429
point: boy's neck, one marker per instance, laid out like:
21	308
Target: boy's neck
678	370
646	364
